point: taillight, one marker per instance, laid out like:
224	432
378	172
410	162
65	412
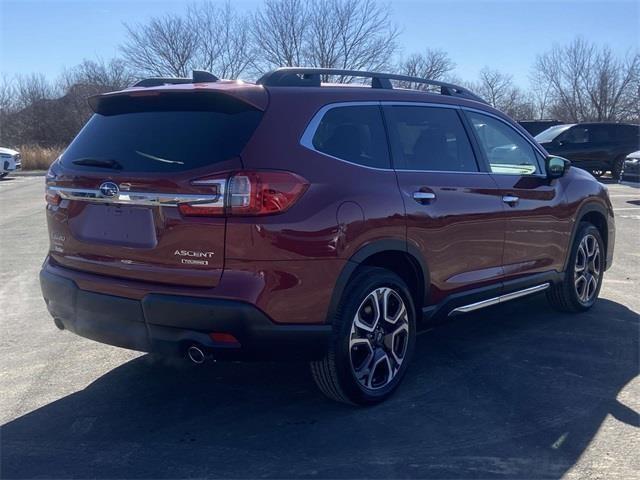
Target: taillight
250	193
52	197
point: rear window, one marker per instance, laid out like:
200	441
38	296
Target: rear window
155	134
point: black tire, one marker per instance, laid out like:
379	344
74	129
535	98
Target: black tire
616	168
565	296
335	374
4	174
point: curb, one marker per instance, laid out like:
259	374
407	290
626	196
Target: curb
28	173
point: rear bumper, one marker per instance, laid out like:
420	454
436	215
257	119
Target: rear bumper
169	324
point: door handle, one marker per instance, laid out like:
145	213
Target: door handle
510	200
424	197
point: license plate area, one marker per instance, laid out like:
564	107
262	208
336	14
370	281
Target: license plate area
115	225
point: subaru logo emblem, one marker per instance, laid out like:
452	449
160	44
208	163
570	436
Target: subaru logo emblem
109	189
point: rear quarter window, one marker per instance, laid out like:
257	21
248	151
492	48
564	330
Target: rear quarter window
355	134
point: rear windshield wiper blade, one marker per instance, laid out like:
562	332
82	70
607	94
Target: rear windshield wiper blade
99	162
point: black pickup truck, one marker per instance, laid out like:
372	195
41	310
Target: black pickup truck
596	147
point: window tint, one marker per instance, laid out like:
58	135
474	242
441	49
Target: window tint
602	133
627	133
164	135
575	136
355	134
506	150
429	138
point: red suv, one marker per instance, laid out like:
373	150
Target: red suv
295	219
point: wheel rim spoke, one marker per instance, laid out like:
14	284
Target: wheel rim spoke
379	338
587	268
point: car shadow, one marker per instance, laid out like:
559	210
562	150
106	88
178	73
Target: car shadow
514	391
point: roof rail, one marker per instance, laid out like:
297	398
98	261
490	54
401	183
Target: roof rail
311	77
198	76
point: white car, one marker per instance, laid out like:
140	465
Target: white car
9	161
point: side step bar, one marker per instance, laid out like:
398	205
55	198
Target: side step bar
501	299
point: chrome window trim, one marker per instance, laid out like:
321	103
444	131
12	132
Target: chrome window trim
139	198
306	140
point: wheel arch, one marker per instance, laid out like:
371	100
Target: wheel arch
596	214
395	255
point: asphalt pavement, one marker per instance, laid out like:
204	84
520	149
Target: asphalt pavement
514	391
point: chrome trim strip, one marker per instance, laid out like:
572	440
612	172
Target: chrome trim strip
139	198
501	299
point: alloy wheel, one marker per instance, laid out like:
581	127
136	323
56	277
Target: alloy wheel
379	338
587	268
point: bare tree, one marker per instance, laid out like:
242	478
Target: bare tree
540	95
165	46
590	83
351	34
224	40
499	90
279	31
101	75
346	34
432	64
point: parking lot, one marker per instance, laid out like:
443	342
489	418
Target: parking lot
512	391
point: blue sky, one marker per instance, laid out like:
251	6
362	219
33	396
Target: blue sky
48	35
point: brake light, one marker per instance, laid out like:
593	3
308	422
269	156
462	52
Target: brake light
249	194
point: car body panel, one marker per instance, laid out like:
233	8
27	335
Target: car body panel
292	267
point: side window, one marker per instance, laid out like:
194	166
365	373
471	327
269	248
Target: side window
627	133
602	133
355	134
575	136
429	138
506	150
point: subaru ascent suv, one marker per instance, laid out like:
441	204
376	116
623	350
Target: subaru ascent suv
301	220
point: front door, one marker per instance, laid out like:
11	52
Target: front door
453	210
538	222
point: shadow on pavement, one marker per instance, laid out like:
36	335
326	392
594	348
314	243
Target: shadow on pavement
514	391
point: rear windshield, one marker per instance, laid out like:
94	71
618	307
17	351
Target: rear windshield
162	135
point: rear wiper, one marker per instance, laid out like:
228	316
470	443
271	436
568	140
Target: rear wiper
99	162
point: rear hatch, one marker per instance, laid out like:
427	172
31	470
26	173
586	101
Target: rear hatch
114	195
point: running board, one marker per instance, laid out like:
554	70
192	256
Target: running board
501	299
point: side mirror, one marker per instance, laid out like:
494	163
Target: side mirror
556	166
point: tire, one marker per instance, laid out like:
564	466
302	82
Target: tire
616	168
583	278
4	174
363	367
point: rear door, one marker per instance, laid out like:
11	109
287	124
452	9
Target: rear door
454	211
118	187
537	220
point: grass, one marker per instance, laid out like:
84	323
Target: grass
35	157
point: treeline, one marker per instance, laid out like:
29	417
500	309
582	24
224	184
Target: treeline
579	81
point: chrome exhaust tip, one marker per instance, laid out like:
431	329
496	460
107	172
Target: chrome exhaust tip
196	355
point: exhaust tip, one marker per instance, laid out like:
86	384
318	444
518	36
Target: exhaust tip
195	354
58	323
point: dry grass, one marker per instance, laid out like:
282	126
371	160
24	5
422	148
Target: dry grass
35	157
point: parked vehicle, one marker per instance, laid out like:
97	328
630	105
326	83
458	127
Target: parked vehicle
631	168
595	147
292	219
9	161
534	127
